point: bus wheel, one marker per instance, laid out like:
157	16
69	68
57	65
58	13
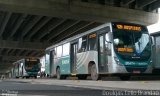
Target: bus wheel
94	75
82	77
125	77
27	77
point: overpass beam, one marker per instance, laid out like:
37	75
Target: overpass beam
142	3
6	19
62	28
75	9
14	58
74	29
19	22
127	2
154	5
23	45
37	28
49	28
30	25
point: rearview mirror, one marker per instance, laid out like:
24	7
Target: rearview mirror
152	40
116	41
108	37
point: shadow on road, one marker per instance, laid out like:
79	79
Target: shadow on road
114	78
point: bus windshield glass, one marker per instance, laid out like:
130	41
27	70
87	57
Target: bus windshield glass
132	45
31	65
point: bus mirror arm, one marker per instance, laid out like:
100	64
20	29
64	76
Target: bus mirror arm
152	40
108	41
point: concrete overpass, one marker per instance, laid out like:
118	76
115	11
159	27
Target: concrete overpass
27	27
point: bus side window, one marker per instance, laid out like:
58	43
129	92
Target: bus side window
79	44
92	42
82	46
59	51
66	49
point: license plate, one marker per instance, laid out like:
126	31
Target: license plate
137	72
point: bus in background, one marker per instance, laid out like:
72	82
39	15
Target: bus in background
28	67
156	52
115	48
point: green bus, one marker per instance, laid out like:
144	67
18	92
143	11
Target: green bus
28	67
114	48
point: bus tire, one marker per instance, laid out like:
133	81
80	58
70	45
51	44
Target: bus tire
125	77
35	77
94	74
82	77
27	77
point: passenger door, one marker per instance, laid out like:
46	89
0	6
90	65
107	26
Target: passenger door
52	62
73	57
104	52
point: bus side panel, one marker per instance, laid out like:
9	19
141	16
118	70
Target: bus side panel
63	63
83	60
157	55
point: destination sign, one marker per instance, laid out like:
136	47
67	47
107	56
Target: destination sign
125	50
31	59
92	36
128	27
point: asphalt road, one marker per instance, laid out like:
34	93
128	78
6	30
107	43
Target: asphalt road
19	88
50	87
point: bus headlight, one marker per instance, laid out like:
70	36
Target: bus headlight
117	61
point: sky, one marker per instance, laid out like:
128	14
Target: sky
155	27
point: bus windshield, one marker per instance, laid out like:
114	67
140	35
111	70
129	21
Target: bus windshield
31	65
132	45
